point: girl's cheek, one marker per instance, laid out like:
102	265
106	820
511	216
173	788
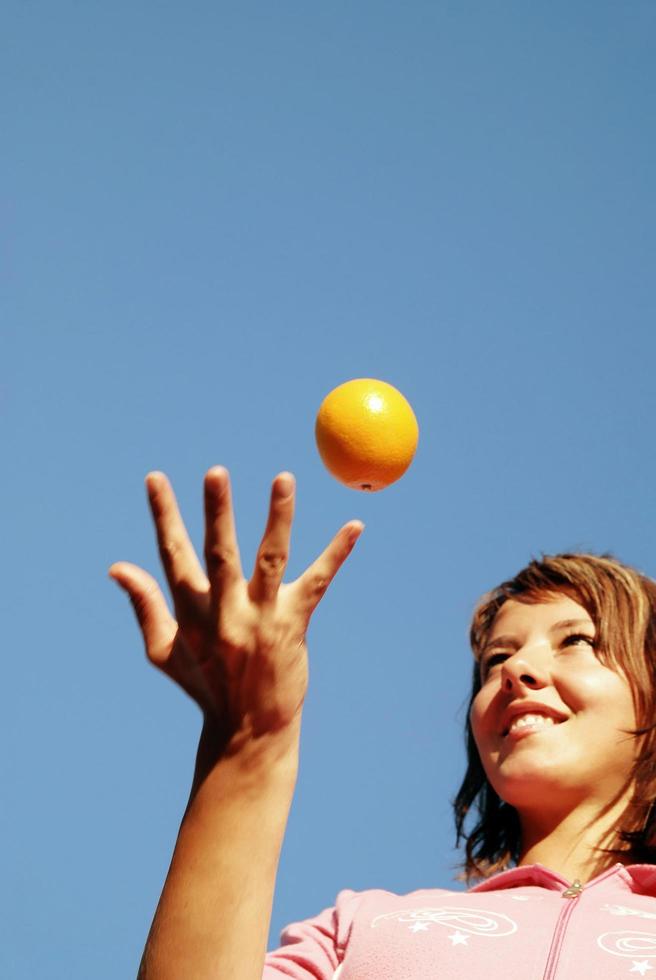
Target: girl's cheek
477	713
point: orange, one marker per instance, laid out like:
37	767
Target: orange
366	434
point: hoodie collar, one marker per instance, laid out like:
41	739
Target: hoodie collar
639	878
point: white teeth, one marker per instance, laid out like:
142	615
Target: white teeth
523	721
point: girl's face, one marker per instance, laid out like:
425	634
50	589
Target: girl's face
550	720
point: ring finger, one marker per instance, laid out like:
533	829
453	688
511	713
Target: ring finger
273	552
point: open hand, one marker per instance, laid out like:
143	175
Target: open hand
236	646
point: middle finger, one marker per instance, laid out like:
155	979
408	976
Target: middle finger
221	546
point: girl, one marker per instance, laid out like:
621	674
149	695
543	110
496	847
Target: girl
560	774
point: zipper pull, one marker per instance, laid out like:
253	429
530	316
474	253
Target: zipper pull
574	889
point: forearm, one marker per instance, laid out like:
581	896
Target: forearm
213	917
239	651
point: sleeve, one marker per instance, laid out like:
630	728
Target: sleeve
313	949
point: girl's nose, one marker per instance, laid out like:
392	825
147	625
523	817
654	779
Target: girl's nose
518	671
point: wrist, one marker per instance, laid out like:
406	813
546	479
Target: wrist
248	757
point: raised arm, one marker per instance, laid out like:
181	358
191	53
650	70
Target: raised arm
238	648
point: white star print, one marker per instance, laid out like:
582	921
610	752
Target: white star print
640	967
419	927
458	938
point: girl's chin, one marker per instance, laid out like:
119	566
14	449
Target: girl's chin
528	784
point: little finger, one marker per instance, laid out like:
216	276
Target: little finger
313	583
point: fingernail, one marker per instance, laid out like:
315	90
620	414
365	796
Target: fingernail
355	534
285	485
153	478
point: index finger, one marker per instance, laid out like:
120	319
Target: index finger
181	566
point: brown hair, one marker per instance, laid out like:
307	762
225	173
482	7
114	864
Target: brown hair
622	605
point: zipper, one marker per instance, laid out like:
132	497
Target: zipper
574	889
571	893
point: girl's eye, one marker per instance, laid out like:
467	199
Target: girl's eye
496	658
575	638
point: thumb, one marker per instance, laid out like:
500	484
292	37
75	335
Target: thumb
157	626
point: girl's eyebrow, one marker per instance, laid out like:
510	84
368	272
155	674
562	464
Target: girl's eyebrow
567	623
501	641
562	624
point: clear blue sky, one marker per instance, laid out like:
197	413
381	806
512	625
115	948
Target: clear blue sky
210	215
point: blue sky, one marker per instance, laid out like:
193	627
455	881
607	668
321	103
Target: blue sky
210	215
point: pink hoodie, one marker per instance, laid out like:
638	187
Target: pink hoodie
522	924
